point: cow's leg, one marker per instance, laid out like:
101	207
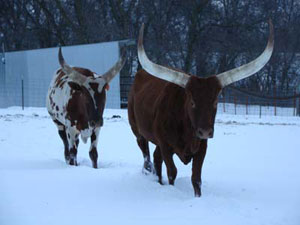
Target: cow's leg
63	135
158	163
73	151
143	144
198	160
73	142
167	156
93	149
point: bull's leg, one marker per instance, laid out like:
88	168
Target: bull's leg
143	144
93	148
168	159
198	160
158	163
73	142
63	136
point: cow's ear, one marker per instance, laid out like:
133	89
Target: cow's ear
106	86
74	86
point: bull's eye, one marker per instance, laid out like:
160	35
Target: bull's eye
193	103
215	104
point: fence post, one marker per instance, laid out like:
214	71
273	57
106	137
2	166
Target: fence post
234	104
295	107
298	106
247	105
224	101
22	84
259	110
275	113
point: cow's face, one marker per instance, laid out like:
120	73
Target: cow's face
201	104
92	94
77	95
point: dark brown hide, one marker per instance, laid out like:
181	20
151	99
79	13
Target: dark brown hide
171	117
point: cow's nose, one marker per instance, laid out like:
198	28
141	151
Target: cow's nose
205	133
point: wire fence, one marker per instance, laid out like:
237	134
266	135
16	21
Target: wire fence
230	101
23	93
240	102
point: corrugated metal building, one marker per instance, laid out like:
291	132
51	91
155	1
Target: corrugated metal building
36	68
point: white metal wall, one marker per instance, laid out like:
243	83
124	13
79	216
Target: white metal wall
37	67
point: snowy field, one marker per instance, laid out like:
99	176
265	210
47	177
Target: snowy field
251	175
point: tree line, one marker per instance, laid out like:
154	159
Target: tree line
201	37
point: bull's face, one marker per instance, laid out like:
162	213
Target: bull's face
201	104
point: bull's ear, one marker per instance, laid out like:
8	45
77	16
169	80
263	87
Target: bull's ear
74	86
188	93
190	98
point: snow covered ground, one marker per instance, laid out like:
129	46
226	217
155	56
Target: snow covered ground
251	175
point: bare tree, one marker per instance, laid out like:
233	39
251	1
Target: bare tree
201	37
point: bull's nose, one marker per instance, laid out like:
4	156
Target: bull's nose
205	133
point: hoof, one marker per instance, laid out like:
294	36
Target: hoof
148	168
160	181
67	159
95	166
197	188
73	162
198	195
171	182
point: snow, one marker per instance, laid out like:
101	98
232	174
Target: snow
250	175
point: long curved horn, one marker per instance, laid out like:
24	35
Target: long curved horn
251	68
156	70
72	74
112	72
65	67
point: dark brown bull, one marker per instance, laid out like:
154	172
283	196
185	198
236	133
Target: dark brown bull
176	111
75	101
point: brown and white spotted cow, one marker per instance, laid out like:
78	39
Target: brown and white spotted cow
75	101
